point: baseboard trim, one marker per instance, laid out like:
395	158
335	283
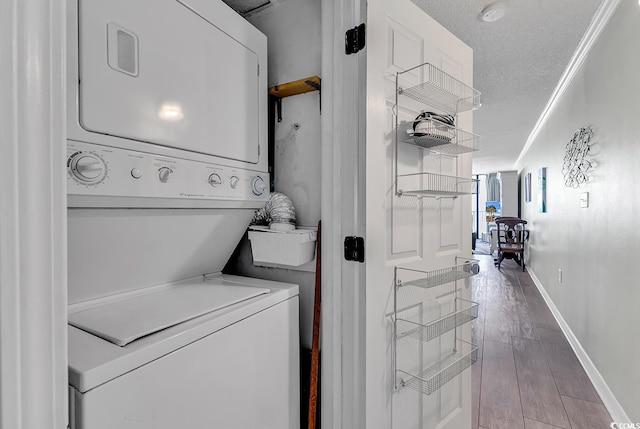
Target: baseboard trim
608	398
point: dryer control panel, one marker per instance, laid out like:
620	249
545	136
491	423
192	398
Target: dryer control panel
102	171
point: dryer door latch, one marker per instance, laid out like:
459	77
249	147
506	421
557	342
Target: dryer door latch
354	249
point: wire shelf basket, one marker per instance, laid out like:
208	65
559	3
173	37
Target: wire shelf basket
440	90
429	279
436	185
434	377
467	311
442	138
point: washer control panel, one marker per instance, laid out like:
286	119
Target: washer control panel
105	171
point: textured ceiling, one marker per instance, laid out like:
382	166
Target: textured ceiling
518	61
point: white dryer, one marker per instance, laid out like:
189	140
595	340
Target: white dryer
167	162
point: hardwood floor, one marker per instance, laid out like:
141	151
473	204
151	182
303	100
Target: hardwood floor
527	376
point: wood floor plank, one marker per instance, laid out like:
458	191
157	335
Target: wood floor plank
526	324
476	379
499	395
499	323
500	310
585	414
567	371
529	288
507	314
533	424
538	392
499	306
540	313
510	275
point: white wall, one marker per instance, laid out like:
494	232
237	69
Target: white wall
596	247
508	193
293	31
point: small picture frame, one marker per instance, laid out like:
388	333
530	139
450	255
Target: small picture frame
542	190
527	188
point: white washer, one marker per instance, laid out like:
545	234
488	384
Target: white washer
235	367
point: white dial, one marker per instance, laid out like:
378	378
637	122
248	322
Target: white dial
233	181
258	186
215	179
164	173
88	168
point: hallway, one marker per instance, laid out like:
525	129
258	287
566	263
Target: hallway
527	376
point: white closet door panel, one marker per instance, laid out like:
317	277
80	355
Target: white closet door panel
449	231
405	215
405	50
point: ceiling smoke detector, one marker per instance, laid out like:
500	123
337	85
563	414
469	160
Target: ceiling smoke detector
493	12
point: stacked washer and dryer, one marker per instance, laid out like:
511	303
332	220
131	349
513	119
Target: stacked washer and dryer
167	162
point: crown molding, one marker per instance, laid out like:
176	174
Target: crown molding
597	26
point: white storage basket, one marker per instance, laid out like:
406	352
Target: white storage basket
292	248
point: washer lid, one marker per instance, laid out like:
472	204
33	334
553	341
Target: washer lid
125	321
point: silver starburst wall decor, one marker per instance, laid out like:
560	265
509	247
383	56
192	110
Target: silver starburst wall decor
576	165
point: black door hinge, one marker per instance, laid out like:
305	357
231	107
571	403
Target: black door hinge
354	40
354	249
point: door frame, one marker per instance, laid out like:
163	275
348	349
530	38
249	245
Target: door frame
343	203
40	347
33	216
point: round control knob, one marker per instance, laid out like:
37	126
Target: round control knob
233	181
215	180
258	186
136	173
164	173
88	168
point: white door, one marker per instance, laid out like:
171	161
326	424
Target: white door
406	231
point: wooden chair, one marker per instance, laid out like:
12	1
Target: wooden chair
511	237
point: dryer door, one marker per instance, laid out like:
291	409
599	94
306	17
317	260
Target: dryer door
157	72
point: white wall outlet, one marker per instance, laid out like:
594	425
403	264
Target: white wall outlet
559	276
